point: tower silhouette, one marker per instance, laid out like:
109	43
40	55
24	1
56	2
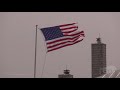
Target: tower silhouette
98	58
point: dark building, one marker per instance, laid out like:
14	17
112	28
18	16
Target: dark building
98	58
66	74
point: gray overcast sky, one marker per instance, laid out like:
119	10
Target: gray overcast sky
17	43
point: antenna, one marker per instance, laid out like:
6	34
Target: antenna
66	71
66	67
99	39
99	35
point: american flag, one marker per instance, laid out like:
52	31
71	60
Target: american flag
61	36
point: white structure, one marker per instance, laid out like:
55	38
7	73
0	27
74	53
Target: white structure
115	74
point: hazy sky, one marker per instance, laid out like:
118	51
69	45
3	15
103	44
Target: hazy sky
17	43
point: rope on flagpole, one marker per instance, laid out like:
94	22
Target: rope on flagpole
45	55
44	65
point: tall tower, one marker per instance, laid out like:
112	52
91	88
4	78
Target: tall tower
98	58
66	74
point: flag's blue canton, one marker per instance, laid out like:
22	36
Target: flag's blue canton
52	33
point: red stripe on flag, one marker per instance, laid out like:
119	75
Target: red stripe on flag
82	31
66	24
70	31
65	45
74	34
83	35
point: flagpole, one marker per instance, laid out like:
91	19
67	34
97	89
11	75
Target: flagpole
35	52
